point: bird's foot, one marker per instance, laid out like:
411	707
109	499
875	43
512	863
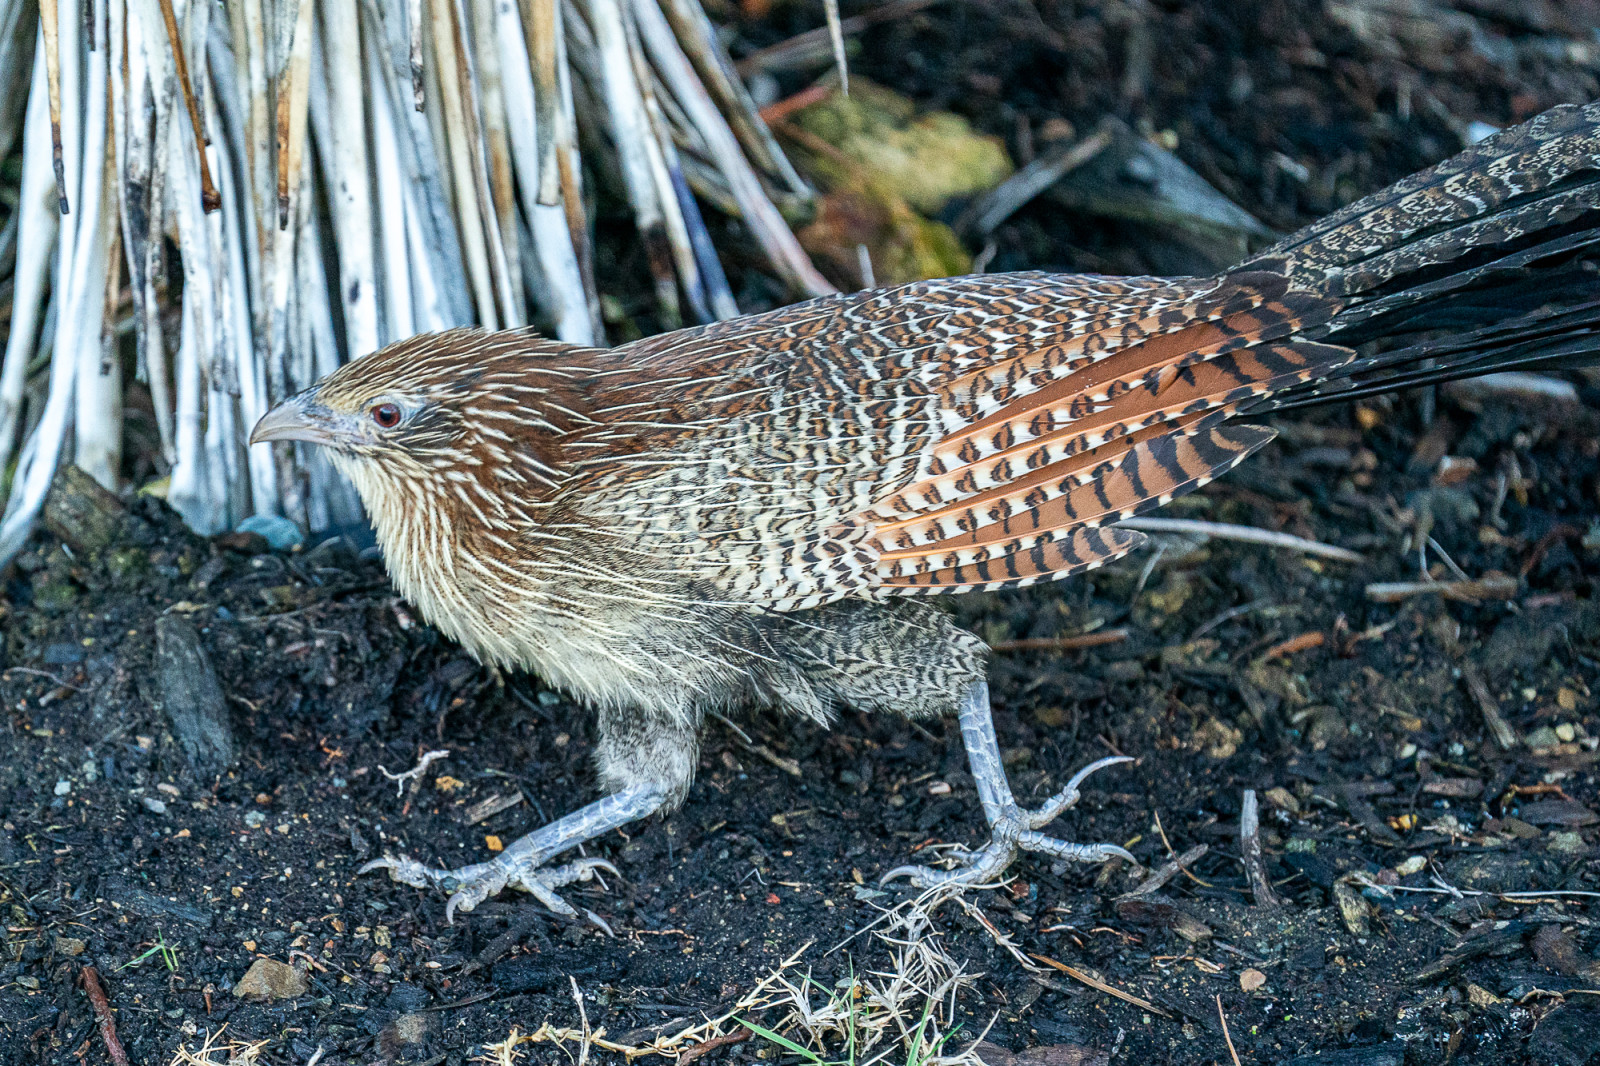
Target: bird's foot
1017	829
471	885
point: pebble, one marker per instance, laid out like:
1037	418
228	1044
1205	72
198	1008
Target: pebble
1568	843
254	819
1543	737
63	787
280	533
153	805
270	980
1414	865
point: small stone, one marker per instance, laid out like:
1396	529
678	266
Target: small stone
1414	865
403	1031
270	980
1570	843
1282	798
280	533
1218	739
1481	997
63	787
255	819
70	945
1566	733
1567	699
1543	737
30	983
153	805
1252	979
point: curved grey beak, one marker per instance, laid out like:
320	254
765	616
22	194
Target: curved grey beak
297	418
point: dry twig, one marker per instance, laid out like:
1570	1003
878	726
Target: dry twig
1250	851
103	1016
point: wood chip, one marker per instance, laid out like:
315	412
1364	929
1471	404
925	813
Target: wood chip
1488	707
1250	849
490	807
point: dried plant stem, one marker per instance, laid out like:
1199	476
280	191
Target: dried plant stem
294	86
209	196
633	139
337	99
676	73
38	220
556	278
1248	534
50	25
700	43
462	180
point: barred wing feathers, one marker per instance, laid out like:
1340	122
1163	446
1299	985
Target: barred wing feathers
951	435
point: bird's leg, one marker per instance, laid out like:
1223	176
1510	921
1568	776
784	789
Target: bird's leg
521	865
1012	828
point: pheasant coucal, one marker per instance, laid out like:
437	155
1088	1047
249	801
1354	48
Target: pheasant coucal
754	511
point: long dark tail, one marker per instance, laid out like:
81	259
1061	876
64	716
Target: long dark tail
1489	261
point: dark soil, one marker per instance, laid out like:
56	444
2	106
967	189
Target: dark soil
1367	744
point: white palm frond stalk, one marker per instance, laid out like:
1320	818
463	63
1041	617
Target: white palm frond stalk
260	191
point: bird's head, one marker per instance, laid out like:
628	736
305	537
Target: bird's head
440	414
402	403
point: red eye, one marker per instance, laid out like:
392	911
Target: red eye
386	415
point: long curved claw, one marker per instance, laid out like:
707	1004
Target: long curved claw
1069	795
1016	829
1032	840
979	868
408	871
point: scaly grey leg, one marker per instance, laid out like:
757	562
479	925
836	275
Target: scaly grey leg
519	866
1013	828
